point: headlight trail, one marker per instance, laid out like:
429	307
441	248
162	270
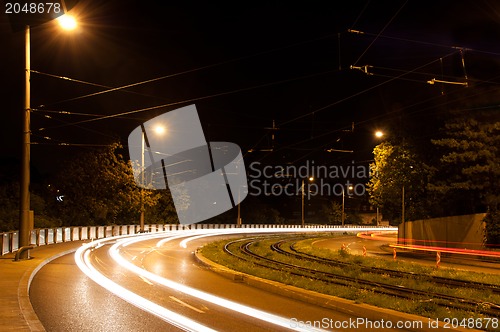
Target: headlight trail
82	258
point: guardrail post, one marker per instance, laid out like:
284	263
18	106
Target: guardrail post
37	237
11	242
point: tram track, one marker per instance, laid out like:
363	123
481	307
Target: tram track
242	250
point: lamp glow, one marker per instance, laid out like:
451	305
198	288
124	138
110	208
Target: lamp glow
67	22
159	129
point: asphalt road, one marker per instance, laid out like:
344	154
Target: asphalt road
65	299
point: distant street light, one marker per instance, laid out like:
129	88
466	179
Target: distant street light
303	219
159	129
25	222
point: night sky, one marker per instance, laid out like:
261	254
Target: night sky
245	64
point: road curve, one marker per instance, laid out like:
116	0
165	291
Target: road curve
154	284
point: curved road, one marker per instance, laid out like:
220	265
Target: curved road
159	274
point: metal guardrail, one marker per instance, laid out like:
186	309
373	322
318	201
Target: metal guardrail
43	236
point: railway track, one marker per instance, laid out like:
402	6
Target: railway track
277	247
241	249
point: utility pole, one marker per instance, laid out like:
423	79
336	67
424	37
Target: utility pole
24	218
403	214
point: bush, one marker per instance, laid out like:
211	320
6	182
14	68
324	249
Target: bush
492	221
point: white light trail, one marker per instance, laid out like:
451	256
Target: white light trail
82	258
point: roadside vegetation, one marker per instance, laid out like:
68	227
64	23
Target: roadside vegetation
419	306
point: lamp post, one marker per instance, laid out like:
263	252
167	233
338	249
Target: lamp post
25	222
403	213
303	218
343	204
378	134
159	130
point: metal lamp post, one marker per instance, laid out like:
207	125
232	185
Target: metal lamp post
159	130
303	217
25	224
343	204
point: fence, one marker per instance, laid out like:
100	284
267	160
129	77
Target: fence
9	240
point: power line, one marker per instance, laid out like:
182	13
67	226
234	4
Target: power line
360	14
361	92
112	89
197	99
381	31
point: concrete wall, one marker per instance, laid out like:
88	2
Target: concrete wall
454	232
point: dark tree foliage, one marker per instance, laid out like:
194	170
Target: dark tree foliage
469	172
395	167
99	188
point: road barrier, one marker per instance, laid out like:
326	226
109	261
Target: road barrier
9	241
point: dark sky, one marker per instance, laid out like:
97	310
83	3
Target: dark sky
245	64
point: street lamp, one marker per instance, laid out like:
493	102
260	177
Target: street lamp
378	134
25	222
159	130
303	221
343	203
67	22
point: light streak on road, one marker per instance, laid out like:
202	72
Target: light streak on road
379	236
227	304
82	257
485	253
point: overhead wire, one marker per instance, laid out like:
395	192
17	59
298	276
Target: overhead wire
381	31
65	78
363	91
197	99
360	14
112	89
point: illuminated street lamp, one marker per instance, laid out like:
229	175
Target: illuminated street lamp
159	130
25	222
67	22
310	180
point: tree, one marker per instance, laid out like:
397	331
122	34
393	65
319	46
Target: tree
163	212
469	170
9	203
332	212
396	167
99	188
